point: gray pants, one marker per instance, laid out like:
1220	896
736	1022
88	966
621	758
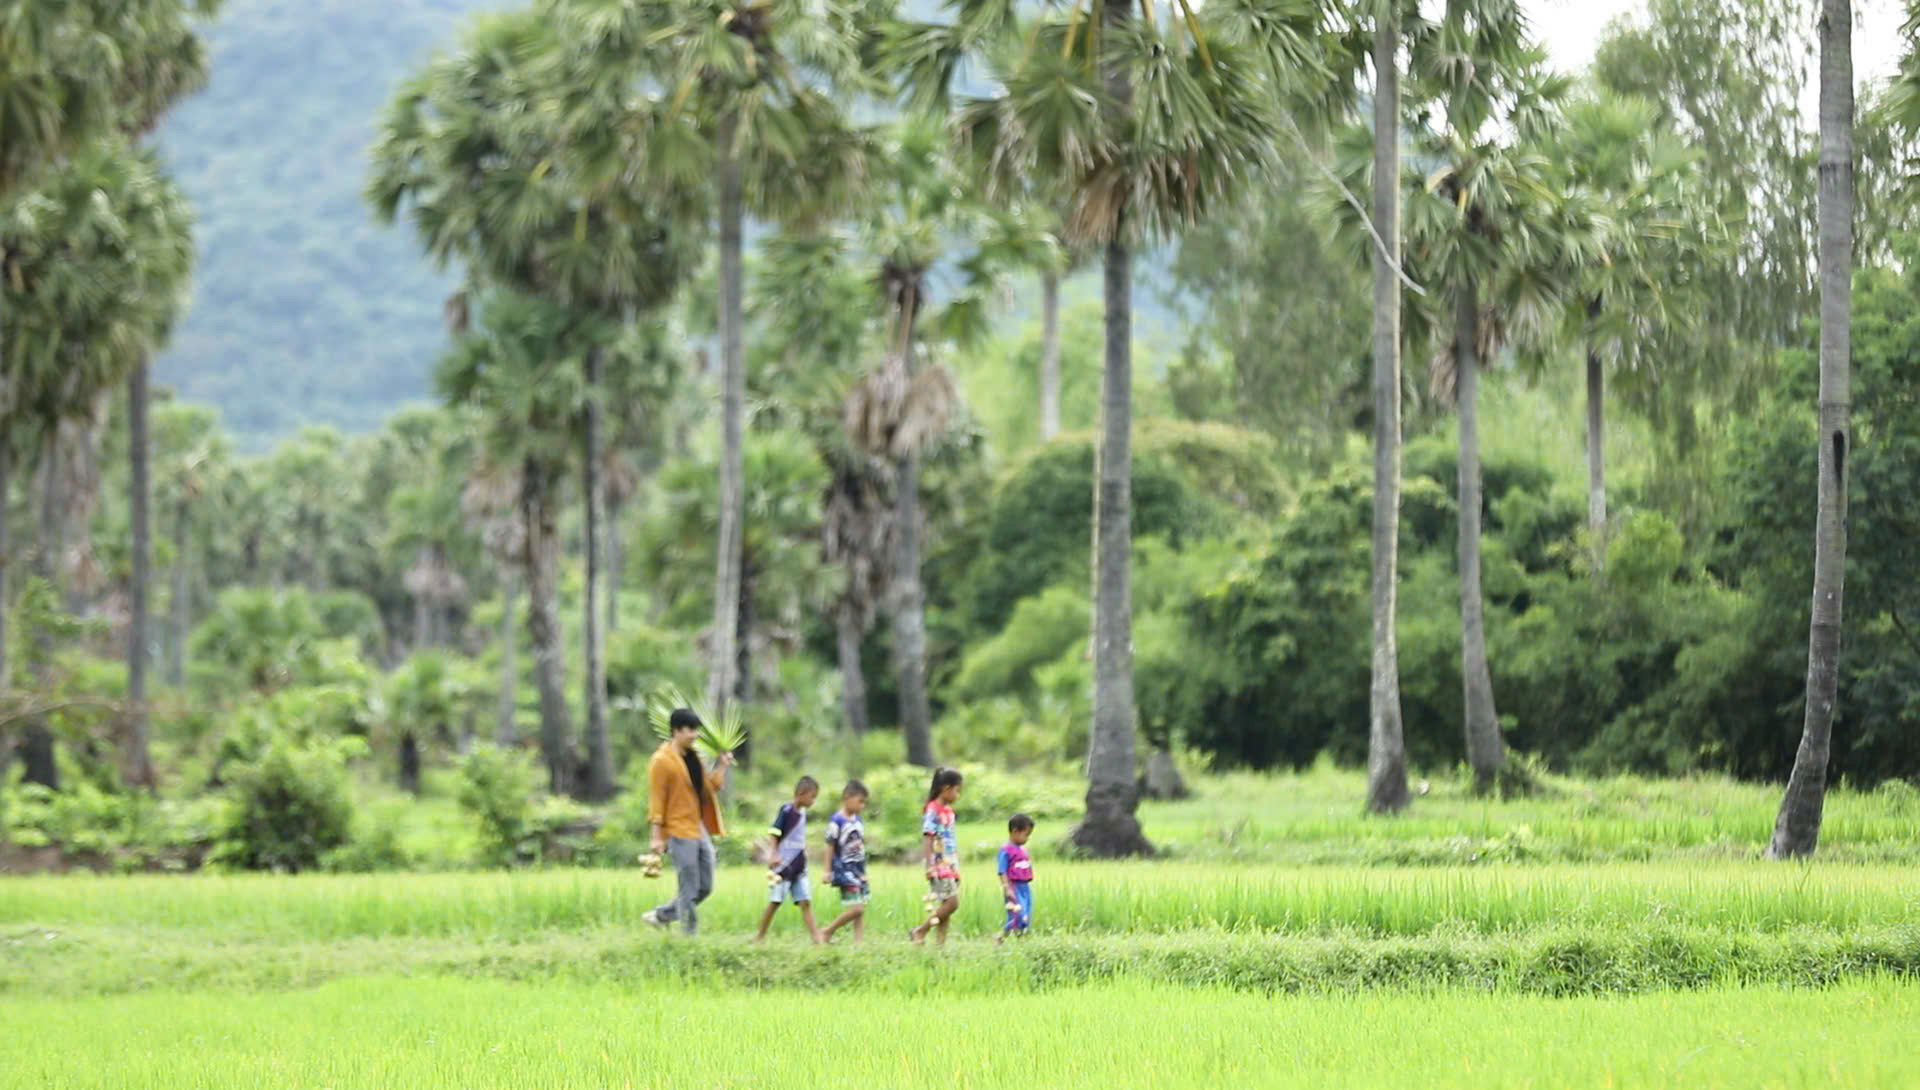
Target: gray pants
693	864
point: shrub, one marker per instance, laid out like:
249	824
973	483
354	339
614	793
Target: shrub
497	787
290	806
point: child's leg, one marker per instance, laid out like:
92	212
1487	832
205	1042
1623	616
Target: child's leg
947	908
851	915
859	922
766	919
806	917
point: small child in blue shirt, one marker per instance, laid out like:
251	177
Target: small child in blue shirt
1015	868
847	860
787	873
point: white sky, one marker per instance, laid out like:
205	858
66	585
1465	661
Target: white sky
1571	30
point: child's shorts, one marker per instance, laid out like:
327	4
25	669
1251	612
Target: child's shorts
855	893
944	888
796	891
1020	913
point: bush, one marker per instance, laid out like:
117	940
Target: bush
290	807
497	787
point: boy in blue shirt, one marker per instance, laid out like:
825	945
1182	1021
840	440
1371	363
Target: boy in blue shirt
1015	868
847	860
787	873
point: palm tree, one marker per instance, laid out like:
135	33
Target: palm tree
738	95
517	370
544	209
818	310
192	456
70	73
1140	130
1796	831
97	258
1488	229
1658	233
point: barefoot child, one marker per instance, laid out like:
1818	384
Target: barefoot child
1016	877
787	873
942	853
847	860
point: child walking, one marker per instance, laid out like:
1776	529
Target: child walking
787	874
942	854
847	861
1016	877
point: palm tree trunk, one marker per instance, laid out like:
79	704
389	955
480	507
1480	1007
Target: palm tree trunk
177	604
137	761
1049	355
409	763
422	609
599	785
40	763
909	598
1386	741
853	678
1486	749
543	627
1796	832
1596	457
733	390
1110	827
507	734
6	613
616	562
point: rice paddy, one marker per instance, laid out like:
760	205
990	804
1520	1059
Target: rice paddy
1233	958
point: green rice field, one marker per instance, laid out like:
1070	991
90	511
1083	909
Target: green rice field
1232	960
377	1033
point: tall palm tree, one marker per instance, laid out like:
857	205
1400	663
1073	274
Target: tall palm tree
191	455
738	95
818	308
1140	128
518	370
98	256
1659	233
1796	831
1489	231
544	209
70	73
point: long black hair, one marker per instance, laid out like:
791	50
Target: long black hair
944	778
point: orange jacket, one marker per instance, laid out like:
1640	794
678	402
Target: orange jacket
672	803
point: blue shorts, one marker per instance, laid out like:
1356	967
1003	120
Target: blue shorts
796	891
1021	919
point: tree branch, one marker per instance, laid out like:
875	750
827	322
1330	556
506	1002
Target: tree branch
1379	244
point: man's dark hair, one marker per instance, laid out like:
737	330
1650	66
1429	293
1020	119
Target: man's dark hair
854	790
1018	822
683	719
806	784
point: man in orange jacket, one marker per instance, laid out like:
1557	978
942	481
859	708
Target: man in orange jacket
685	812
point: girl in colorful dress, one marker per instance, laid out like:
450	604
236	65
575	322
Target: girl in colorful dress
942	855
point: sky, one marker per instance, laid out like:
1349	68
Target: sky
1571	30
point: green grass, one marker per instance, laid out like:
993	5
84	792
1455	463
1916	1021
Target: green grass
384	1032
1071	897
1315	817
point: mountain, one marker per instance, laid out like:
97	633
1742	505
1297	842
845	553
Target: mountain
305	310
